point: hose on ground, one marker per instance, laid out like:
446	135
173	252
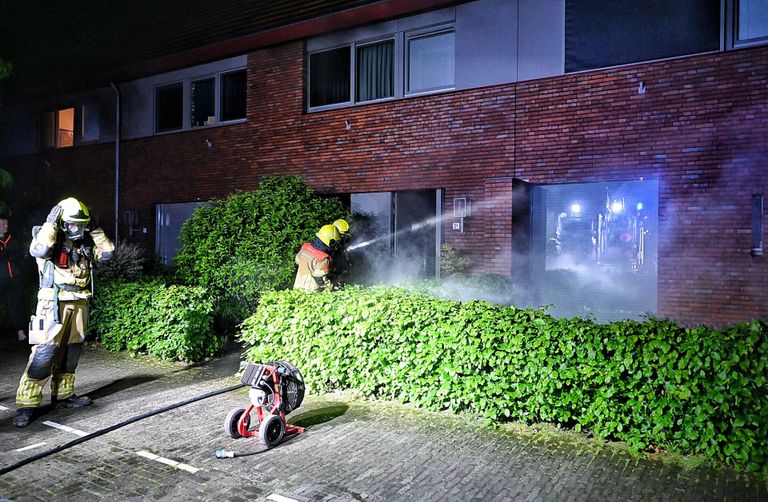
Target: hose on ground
118	425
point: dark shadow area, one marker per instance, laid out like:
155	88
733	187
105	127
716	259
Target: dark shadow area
319	416
120	385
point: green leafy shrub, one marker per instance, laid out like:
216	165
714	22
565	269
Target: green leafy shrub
127	263
651	383
245	244
169	322
453	262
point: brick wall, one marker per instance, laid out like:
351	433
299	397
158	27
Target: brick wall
700	128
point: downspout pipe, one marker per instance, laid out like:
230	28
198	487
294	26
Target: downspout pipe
117	163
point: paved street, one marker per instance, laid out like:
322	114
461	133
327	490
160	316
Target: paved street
352	450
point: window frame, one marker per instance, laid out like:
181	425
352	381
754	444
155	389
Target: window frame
731	20
354	81
173	84
219	97
400	62
203	78
52	118
341	104
187	100
426	33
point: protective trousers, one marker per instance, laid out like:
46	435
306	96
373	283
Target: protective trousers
55	359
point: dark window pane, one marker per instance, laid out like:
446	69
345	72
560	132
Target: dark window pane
233	96
329	77
46	127
375	74
170	107
203	111
598	35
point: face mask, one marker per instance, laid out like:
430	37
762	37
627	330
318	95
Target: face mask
74	230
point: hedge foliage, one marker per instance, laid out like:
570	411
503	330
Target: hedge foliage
651	383
169	322
245	244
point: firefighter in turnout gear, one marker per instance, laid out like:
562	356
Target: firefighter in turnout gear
340	261
314	261
64	248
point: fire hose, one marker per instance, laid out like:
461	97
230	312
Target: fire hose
118	425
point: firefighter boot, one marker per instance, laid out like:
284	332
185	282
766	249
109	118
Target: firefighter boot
23	416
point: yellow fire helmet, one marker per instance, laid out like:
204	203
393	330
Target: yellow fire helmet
328	234
342	226
74	211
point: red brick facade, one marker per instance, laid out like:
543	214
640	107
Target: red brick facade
700	128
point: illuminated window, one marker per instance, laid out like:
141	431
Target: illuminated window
56	129
594	248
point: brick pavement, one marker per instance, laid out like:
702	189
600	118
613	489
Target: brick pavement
352	450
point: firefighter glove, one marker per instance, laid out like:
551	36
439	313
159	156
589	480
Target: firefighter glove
54	215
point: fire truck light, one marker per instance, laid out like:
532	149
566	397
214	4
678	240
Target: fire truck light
617	206
575	208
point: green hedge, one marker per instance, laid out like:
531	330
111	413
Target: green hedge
246	243
651	384
169	322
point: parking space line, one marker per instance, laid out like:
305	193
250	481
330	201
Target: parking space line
167	461
30	446
65	428
280	498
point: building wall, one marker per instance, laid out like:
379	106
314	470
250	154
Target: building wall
700	128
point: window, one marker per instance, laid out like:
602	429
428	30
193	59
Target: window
752	21
329	77
393	66
431	62
631	31
594	248
203	102
90	123
170	107
56	129
375	71
207	101
233	95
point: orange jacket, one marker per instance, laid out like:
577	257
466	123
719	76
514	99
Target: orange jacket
314	268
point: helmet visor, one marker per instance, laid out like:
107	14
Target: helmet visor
74	230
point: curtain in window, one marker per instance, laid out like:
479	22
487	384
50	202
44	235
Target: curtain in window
233	96
375	75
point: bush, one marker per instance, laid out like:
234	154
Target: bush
246	244
651	384
453	261
169	322
127	263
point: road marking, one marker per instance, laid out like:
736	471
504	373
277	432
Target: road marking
30	447
3	407
65	428
167	461
280	498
